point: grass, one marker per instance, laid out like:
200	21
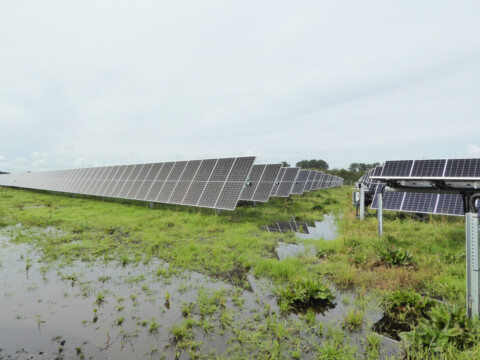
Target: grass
419	257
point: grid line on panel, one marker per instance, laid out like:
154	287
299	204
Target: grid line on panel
117	190
93	181
96	182
266	182
184	181
199	182
254	178
171	181
133	189
225	182
86	176
75	179
141	179
150	180
101	180
235	183
168	169
116	178
108	180
428	168
207	182
278	181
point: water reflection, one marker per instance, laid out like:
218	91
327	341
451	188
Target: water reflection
325	229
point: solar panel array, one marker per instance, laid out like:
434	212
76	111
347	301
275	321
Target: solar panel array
443	170
211	183
292	180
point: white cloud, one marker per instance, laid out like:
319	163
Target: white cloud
473	151
90	83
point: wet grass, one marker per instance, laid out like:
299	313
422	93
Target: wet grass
415	257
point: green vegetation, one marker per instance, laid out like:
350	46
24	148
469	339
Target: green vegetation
412	258
304	293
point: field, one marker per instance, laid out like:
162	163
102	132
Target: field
85	278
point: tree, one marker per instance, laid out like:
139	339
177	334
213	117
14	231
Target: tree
285	164
313	164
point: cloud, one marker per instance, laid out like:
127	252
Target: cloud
90	84
473	151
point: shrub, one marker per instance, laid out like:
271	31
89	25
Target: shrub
444	327
407	306
394	256
304	292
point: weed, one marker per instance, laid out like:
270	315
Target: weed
100	298
353	320
187	309
154	325
120	320
443	328
304	292
394	257
407	306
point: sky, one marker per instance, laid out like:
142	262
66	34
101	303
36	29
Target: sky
91	83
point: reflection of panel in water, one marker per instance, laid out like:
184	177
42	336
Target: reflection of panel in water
285	226
326	229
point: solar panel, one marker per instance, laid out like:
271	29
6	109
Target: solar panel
432	169
262	180
310	180
214	183
253	181
276	186
397	168
286	184
300	181
425	203
462	168
428	168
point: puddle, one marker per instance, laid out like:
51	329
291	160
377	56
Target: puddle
325	229
108	311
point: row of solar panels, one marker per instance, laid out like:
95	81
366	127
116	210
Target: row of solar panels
446	170
210	183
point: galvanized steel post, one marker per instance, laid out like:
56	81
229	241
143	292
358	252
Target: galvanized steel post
380	213
473	279
362	201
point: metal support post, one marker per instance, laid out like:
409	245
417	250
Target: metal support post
362	201
380	213
473	279
219	211
151	204
254	203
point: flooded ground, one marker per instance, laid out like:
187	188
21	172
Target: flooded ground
316	230
117	310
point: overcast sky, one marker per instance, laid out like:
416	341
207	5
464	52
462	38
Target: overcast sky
86	83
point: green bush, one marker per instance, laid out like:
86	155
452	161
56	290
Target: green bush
444	327
394	256
407	306
304	292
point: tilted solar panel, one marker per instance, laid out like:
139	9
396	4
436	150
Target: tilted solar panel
286	184
300	181
214	183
